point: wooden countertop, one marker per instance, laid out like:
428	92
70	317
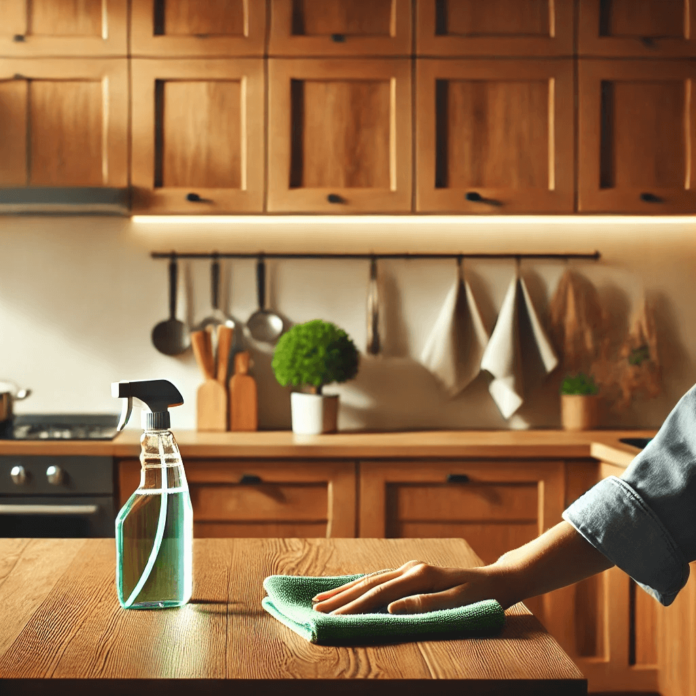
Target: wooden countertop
60	619
599	444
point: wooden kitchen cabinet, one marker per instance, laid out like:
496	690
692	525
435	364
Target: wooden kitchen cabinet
264	498
340	28
496	506
37	28
339	135
198	135
494	137
637	28
636	136
190	28
64	122
494	28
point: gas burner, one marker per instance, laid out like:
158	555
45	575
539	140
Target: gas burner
63	427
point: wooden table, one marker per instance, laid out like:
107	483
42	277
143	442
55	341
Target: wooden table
60	620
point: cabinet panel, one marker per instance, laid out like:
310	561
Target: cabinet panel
181	28
264	498
198	129
340	27
636	137
63	28
340	136
636	28
494	28
494	137
66	122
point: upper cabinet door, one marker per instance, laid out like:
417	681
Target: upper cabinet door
64	122
636	136
63	28
494	137
340	28
494	28
638	28
198	129
189	28
339	135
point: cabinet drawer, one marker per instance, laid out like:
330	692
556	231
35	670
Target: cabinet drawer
259	502
462	501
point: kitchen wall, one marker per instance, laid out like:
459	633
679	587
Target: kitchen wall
79	297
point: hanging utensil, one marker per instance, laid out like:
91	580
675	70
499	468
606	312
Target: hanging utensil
264	325
217	317
171	337
373	341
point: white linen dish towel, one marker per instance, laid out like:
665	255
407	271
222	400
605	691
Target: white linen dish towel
519	354
458	339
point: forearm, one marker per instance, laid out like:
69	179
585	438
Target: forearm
559	557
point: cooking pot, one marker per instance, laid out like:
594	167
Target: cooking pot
9	393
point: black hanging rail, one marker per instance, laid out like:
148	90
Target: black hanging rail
594	256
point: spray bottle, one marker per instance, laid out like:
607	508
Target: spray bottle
154	530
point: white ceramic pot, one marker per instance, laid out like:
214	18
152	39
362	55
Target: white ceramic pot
313	414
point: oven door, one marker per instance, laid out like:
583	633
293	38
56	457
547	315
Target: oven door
57	516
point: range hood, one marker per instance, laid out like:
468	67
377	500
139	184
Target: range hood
91	200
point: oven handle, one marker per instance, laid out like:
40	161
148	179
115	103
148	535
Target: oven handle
48	509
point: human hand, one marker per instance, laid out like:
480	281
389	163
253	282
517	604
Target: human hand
418	587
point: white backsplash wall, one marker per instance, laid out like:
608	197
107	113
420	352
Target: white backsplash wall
79	297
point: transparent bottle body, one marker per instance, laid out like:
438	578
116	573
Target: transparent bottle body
154	530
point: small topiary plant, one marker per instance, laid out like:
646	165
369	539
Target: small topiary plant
313	355
579	385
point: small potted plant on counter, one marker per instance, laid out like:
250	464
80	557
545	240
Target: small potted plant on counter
579	402
310	356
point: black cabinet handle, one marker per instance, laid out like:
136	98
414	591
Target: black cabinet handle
473	196
194	198
19	38
249	480
650	198
647	41
335	198
338	38
457	478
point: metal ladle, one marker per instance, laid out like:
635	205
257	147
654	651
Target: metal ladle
217	316
171	337
264	325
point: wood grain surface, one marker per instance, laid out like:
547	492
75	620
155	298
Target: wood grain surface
67	624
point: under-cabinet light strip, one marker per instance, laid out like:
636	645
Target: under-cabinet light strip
462	220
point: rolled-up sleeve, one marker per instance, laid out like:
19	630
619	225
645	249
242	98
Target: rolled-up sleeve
645	521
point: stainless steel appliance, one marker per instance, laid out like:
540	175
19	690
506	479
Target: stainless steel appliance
58	495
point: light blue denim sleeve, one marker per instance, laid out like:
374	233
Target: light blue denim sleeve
645	521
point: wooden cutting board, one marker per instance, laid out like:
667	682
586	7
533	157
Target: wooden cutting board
211	397
244	407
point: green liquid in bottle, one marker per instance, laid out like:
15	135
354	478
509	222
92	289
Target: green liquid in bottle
154	536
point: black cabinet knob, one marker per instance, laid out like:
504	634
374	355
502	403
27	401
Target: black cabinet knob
335	198
650	198
193	197
457	478
19	38
249	479
338	38
473	196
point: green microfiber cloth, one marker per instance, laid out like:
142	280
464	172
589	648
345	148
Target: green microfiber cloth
290	601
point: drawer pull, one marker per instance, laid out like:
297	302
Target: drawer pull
457	478
249	480
650	198
335	198
338	38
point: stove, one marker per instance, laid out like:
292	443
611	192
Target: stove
58	495
71	426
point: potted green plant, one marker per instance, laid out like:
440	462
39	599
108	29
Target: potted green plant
310	356
579	402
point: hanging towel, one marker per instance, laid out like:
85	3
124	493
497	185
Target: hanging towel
290	601
456	344
519	353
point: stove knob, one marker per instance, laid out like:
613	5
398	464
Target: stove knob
54	474
19	475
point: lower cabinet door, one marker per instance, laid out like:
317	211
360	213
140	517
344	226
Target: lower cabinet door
495	506
265	499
